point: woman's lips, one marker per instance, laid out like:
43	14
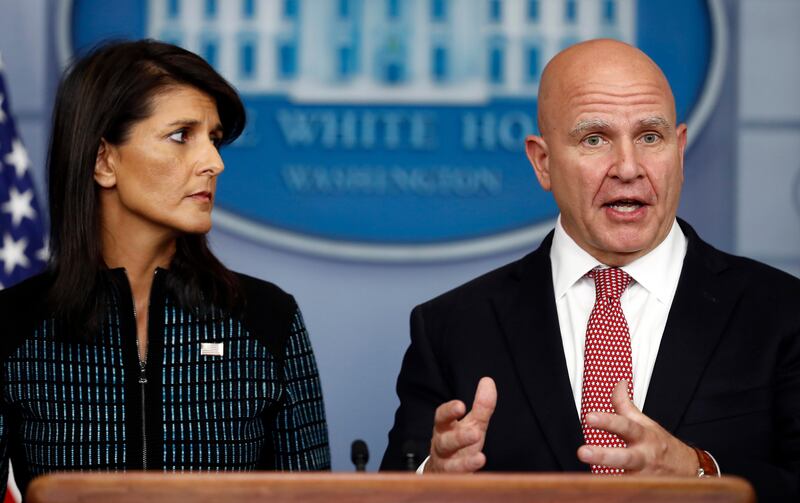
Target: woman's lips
203	196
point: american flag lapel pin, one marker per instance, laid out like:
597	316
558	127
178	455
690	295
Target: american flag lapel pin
212	348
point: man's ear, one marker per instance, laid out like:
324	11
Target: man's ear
539	157
104	166
682	137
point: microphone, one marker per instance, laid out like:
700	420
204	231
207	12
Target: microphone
414	454
359	455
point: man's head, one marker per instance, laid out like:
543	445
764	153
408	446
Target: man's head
610	149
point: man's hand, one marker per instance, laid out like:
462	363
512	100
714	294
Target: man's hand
650	450
457	443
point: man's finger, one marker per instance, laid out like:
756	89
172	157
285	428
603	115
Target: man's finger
621	401
628	429
484	403
613	457
460	437
447	413
465	464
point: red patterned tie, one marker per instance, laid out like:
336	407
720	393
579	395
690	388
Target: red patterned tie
607	359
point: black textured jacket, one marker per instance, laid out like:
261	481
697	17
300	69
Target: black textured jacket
217	392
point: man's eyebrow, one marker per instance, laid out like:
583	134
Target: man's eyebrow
655	122
588	125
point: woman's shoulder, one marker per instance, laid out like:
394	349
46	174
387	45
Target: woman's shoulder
269	312
264	293
21	307
27	296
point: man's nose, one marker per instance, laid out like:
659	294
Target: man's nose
627	164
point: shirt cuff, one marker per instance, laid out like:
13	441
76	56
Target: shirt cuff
719	472
421	468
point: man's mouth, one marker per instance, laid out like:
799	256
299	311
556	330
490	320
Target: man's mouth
624	205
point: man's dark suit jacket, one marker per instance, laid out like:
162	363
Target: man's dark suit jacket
726	379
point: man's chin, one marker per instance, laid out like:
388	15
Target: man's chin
622	252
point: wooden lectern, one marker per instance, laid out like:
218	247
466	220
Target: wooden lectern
138	487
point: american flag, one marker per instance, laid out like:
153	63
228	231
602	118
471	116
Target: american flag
23	250
23	246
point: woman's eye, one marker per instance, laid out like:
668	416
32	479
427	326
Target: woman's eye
179	136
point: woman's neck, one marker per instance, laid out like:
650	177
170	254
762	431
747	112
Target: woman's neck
139	252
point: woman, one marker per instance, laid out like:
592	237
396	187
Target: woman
138	349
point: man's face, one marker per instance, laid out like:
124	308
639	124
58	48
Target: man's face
613	157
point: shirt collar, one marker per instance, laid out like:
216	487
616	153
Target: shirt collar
569	261
658	271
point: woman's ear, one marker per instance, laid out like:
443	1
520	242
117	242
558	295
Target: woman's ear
104	166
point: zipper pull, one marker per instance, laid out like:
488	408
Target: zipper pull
142	376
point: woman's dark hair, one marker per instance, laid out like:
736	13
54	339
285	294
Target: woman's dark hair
101	96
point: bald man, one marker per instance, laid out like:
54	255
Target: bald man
709	344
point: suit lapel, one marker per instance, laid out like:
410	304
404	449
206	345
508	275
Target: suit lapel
702	305
527	314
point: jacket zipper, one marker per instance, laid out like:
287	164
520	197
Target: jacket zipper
143	387
142	375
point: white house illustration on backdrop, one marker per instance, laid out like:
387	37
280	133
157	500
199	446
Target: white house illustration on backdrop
369	51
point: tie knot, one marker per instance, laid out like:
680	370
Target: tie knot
609	282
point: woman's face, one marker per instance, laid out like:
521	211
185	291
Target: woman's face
163	177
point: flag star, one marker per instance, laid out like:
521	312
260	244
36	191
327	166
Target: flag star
18	157
19	205
2	114
13	253
43	253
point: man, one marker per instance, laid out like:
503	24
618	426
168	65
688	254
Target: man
708	346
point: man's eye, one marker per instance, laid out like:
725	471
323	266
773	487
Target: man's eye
179	136
650	138
593	141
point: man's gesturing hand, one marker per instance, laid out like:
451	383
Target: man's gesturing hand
457	443
650	448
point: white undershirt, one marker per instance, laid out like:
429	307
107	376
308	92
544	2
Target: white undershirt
646	303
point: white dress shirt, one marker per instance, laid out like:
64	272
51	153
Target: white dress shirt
645	303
